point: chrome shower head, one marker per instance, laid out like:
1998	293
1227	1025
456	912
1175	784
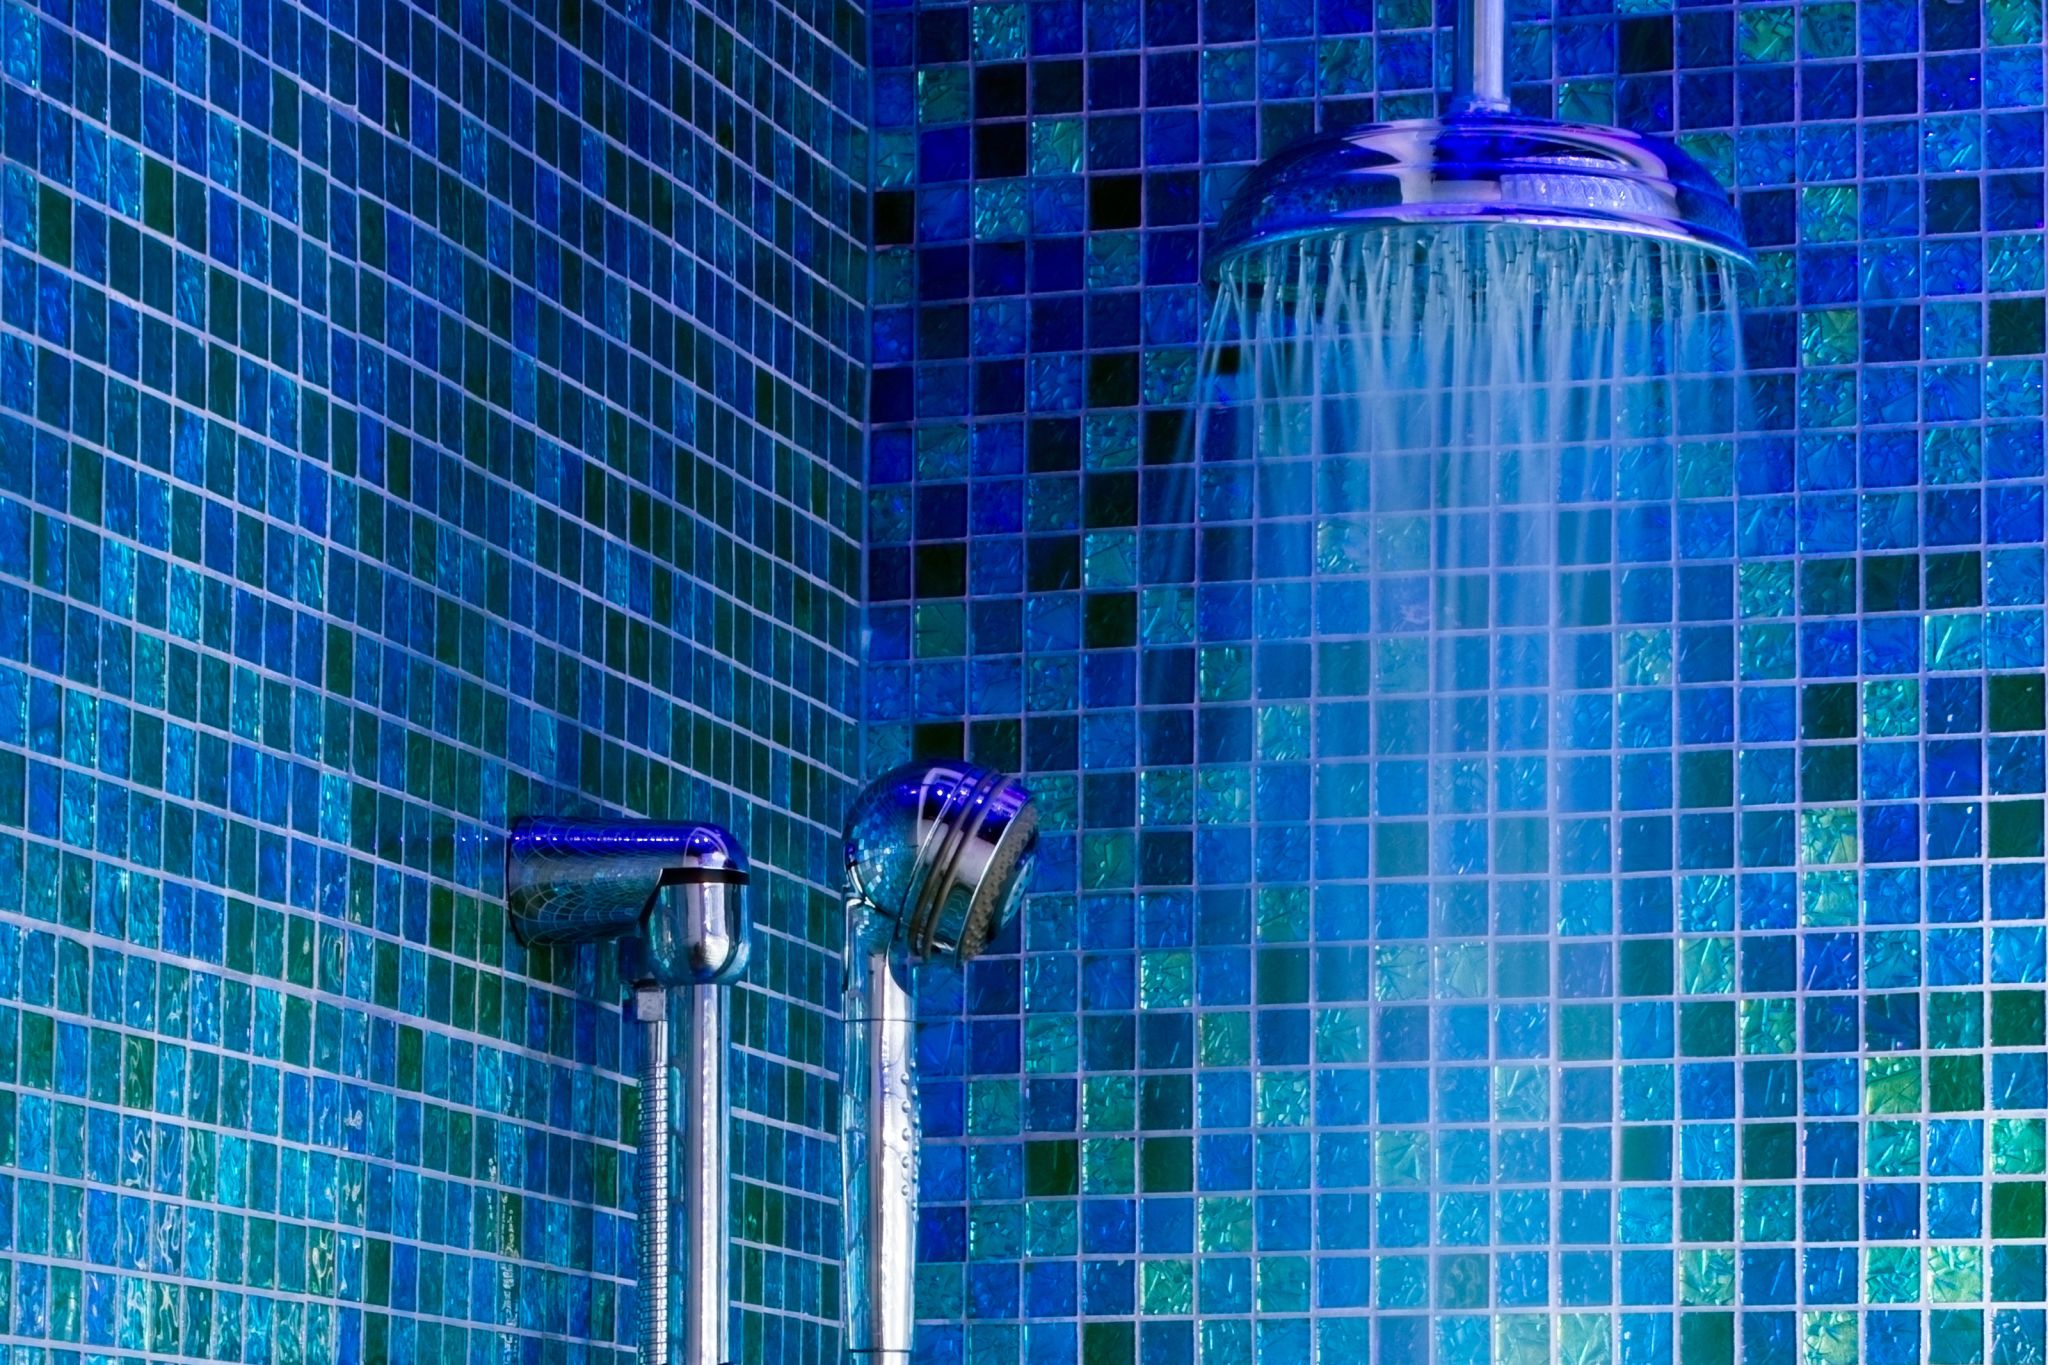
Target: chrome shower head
936	860
1479	166
1480	163
940	851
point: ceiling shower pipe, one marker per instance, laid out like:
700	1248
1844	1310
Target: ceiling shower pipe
1479	71
672	894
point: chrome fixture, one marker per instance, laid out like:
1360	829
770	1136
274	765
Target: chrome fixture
1480	163
673	895
936	857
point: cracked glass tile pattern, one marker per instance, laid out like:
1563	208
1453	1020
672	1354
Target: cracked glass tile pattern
411	415
1755	1073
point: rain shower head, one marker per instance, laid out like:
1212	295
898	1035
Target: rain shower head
1482	167
939	852
1480	163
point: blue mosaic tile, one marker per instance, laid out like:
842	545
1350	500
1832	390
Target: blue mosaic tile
399	434
1767	1101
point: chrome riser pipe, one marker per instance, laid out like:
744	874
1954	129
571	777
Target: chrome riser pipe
673	896
878	1123
702	1186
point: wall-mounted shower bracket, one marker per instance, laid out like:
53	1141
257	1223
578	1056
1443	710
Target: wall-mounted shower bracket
672	895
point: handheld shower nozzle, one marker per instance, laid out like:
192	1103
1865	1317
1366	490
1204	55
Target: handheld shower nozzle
674	895
937	856
936	851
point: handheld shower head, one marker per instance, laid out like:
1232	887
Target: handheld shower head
674	897
936	861
939	852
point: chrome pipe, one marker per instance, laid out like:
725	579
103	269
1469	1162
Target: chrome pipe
1479	71
681	1235
704	1178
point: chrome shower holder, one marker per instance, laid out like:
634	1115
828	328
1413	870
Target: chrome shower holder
672	895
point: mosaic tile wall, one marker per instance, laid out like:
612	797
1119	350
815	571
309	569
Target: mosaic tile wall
396	435
1771	1084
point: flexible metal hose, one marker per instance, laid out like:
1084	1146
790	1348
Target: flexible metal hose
652	1186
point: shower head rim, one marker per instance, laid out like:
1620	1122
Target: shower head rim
941	869
1473	215
1003	888
922	842
998	887
1480	167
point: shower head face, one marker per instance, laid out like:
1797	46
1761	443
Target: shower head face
1480	167
941	851
674	892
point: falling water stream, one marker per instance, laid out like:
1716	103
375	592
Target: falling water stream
1445	461
1464	627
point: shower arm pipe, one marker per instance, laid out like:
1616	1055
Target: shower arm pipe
879	1122
1479	74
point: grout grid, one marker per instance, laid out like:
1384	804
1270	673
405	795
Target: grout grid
389	450
1776	1097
